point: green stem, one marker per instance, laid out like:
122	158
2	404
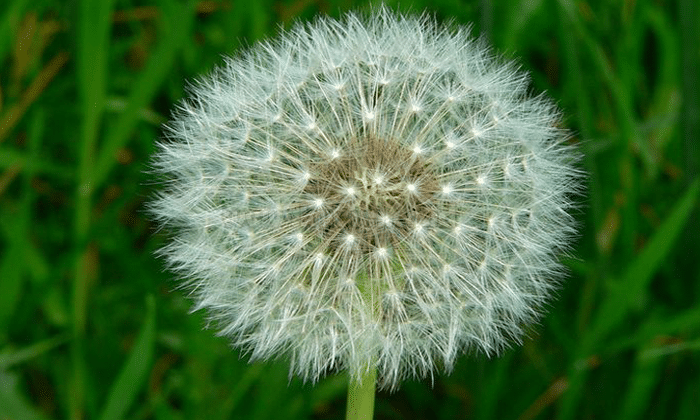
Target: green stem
361	396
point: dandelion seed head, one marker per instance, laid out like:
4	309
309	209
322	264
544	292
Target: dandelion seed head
376	191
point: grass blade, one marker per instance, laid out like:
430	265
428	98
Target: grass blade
135	369
630	293
175	23
12	358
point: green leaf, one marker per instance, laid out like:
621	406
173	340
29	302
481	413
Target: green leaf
135	370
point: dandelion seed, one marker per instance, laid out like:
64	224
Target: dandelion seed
382	252
389	246
386	220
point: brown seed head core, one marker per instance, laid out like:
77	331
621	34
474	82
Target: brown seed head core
375	190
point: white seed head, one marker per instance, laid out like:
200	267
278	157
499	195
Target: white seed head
367	192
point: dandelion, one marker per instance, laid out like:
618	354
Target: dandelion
372	195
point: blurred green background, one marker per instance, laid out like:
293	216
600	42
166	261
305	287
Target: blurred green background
92	327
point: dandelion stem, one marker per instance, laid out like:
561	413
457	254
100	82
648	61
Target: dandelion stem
361	396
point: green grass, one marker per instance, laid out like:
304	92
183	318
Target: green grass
93	327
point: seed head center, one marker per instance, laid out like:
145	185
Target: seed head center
376	191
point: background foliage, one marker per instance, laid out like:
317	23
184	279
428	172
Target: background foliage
91	326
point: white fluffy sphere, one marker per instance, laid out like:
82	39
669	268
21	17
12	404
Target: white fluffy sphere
361	194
